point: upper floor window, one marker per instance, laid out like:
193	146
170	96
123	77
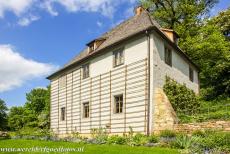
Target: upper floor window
62	82
86	110
168	56
191	76
63	114
118	103
118	57
85	69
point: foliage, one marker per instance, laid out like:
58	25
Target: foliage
100	135
34	114
214	74
182	99
139	139
167	133
3	115
215	139
222	20
16	118
116	139
209	110
184	141
153	139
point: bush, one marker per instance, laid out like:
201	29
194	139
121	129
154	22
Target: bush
116	139
214	139
100	135
198	133
184	141
182	99
139	139
153	139
167	134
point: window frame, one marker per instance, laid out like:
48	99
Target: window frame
168	55
191	74
117	56
63	113
118	105
86	114
84	76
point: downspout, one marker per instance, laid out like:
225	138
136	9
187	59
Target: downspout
148	108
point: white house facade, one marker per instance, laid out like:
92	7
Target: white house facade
111	84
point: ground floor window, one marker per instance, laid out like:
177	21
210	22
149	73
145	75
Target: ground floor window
86	110
118	100
63	114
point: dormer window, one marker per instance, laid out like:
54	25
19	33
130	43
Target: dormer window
93	45
91	48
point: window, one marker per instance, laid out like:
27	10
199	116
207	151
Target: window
63	114
168	56
191	76
62	82
118	57
85	71
118	104
91	48
86	110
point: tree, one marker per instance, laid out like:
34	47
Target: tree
3	115
16	118
35	112
222	20
210	51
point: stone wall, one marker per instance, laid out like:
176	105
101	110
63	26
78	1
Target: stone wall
190	127
164	116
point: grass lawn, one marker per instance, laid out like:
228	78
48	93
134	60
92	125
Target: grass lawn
88	149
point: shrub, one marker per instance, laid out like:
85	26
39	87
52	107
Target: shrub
116	139
100	135
153	139
182	99
215	139
167	134
198	133
184	141
139	139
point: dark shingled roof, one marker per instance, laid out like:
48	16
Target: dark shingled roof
126	29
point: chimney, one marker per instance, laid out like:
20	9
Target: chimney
138	10
171	34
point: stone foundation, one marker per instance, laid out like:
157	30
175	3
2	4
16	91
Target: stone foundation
164	116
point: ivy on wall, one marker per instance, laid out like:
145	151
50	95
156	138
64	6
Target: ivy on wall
182	99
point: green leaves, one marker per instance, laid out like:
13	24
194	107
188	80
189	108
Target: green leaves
182	99
3	115
34	114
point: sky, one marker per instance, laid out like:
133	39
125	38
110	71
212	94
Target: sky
37	37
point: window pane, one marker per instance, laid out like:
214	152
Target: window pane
118	103
86	110
118	57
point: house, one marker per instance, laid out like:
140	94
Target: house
115	82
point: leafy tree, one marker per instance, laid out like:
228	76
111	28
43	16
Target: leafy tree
16	118
210	51
3	115
35	112
222	20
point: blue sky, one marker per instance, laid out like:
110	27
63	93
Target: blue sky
39	36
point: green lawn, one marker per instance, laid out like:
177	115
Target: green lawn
88	149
